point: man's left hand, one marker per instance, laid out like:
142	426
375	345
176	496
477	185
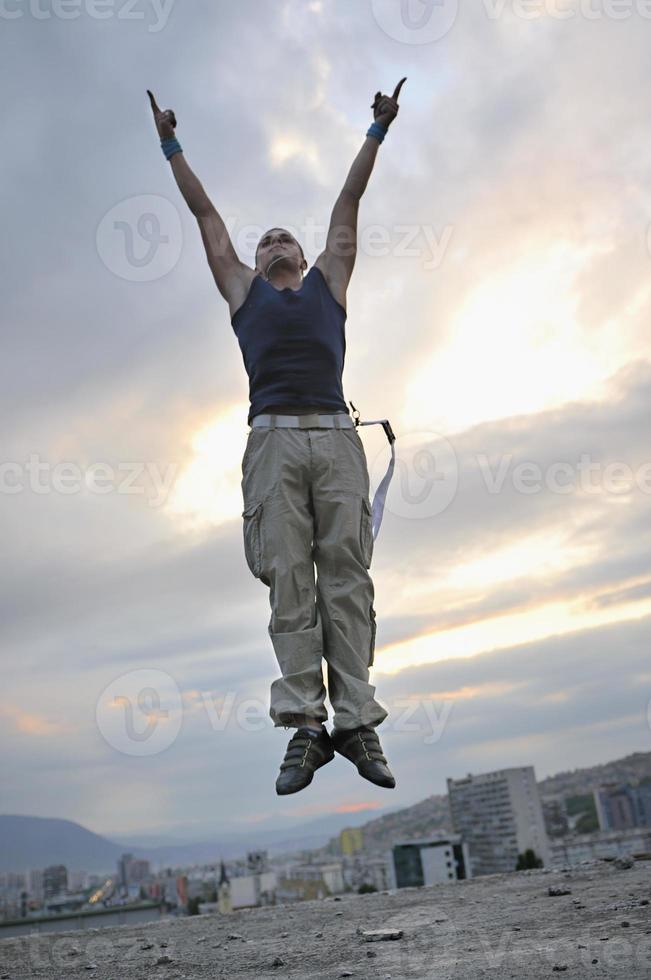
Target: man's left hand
385	107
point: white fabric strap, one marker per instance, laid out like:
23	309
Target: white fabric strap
380	496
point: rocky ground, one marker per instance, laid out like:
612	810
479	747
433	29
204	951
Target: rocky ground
590	921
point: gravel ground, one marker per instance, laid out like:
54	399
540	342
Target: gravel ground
496	926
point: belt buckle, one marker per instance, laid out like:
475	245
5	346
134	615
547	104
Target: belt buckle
307	421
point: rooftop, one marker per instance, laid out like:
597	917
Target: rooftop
506	926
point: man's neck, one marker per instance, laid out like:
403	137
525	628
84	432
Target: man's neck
281	276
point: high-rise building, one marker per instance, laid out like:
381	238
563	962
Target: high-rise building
138	871
499	815
55	880
35	883
123	869
132	871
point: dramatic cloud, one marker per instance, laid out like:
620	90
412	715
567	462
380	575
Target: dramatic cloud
498	316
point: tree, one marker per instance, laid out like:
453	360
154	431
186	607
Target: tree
365	888
587	823
528	860
193	906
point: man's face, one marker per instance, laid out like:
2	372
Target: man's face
276	249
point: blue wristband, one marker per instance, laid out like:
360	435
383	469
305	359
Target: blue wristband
171	146
377	130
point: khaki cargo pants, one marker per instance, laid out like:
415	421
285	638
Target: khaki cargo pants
306	504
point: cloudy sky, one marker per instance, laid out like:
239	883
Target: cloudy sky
498	316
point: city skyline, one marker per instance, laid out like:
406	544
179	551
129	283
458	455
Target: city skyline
628	779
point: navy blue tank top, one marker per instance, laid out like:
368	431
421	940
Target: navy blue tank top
293	343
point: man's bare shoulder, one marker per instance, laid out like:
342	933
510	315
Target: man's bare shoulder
336	283
240	280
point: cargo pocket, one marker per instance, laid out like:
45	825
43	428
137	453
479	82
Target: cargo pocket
252	516
366	532
373	631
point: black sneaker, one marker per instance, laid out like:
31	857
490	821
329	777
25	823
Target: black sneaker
307	751
362	747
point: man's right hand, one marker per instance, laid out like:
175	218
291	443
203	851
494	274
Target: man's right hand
165	121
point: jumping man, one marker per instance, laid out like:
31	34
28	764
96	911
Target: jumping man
305	481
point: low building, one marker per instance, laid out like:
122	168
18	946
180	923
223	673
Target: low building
351	840
603	844
245	890
304	882
300	890
364	869
248	891
428	861
330	874
65	903
555	816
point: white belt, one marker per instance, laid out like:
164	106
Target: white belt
313	421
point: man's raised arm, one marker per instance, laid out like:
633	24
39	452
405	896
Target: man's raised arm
338	257
228	271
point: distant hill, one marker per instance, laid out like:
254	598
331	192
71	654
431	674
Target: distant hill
630	769
419	820
36	842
